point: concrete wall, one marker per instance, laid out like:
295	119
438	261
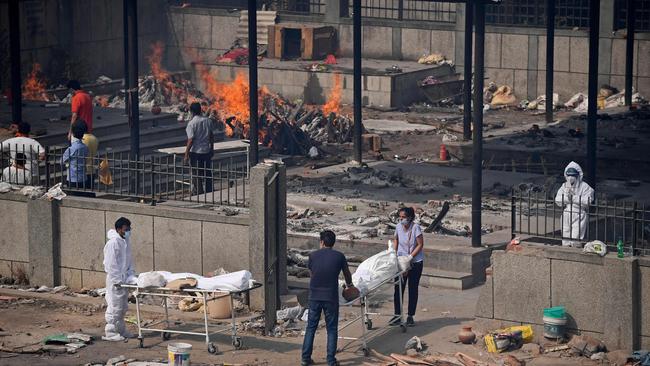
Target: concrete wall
164	238
514	56
87	35
606	297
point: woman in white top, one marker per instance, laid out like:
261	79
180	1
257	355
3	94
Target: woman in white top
409	242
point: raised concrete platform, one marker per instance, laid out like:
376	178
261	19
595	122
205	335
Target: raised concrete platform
293	80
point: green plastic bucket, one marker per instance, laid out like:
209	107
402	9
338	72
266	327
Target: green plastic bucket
557	312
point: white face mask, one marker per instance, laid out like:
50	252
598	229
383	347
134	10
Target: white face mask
127	234
572	180
405	222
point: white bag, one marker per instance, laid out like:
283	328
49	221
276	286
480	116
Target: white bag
151	279
595	246
373	271
235	281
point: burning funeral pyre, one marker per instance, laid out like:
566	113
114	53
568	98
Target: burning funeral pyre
285	126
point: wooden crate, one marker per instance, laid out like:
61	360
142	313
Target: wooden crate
315	42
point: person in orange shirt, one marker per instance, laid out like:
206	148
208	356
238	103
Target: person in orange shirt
82	105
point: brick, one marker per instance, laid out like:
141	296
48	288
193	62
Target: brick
415	43
514	54
579	50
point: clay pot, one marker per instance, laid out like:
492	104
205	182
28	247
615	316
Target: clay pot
466	336
156	109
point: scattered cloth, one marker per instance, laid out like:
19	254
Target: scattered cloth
503	96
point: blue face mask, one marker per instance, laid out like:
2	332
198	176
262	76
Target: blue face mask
127	234
405	222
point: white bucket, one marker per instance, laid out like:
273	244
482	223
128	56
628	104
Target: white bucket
178	354
554	327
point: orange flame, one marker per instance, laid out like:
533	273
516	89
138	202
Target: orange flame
333	104
102	100
34	86
172	93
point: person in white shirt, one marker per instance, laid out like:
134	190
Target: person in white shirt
17	173
23	144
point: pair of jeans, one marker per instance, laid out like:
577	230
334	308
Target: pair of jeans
413	280
331	310
202	172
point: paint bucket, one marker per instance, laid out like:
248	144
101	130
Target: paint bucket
554	327
178	354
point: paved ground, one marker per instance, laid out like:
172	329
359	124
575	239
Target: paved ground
440	315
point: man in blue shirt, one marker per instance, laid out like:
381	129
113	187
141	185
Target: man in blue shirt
325	265
75	157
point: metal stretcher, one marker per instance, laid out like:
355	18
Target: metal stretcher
364	317
198	294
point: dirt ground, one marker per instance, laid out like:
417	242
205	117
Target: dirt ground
26	321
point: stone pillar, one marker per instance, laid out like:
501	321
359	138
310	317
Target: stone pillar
459	52
43	239
333	11
621	317
605	41
258	229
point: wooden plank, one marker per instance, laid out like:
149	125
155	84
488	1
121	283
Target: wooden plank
307	43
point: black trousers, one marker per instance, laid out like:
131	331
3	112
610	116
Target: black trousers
413	281
202	172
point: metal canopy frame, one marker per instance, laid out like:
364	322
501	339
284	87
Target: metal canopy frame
478	16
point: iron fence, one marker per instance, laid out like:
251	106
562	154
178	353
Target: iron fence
302	6
152	179
641	17
551	219
443	12
532	13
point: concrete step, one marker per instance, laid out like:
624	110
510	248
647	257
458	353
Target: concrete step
101	130
431	277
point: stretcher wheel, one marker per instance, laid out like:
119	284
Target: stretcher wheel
166	336
141	341
369	324
403	328
212	349
237	343
366	352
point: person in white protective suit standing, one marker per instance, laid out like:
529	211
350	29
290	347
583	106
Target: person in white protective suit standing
118	265
575	196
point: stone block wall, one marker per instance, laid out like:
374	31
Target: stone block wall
89	33
605	297
164	238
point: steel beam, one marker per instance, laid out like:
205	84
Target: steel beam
356	40
252	82
477	143
14	47
629	52
550	56
132	84
467	99
592	106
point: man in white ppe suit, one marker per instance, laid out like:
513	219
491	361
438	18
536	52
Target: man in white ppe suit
118	265
575	196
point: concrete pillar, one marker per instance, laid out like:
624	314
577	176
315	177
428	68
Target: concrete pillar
258	229
43	239
282	227
459	50
621	317
333	11
605	41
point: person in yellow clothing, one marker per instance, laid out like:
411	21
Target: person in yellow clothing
92	143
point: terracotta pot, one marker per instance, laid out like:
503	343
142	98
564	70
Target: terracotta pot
156	109
466	336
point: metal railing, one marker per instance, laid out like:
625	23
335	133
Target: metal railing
302	6
151	178
443	12
532	13
550	219
642	15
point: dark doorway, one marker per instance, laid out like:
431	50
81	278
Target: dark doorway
292	43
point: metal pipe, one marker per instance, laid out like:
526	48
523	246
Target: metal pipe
477	143
356	40
252	79
132	85
14	47
125	29
629	52
467	100
550	55
592	106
